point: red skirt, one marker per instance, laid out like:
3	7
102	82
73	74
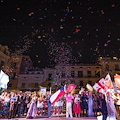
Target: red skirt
77	108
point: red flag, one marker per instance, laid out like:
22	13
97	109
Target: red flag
71	87
117	80
57	95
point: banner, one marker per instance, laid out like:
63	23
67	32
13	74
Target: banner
43	90
71	87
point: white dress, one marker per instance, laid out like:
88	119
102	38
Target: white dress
90	105
111	109
40	104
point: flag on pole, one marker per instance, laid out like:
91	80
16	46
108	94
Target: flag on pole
71	87
57	95
4	79
89	87
108	82
117	80
100	86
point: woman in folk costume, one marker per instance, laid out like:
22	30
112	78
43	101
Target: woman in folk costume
32	111
77	109
90	105
95	104
110	107
40	106
103	107
5	108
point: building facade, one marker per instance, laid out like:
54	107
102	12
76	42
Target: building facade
17	65
60	75
78	74
75	74
23	76
109	65
4	56
31	80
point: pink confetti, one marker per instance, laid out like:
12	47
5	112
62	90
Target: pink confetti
77	30
18	8
113	5
68	9
52	30
105	44
102	12
61	20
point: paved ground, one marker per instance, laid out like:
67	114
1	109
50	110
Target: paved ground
54	118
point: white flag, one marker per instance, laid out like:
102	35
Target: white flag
4	79
108	82
99	86
108	77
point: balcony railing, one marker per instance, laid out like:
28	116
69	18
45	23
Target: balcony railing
117	69
83	77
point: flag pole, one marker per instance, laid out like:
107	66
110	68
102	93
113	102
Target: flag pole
50	90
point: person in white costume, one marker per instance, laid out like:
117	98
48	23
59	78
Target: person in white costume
90	105
110	107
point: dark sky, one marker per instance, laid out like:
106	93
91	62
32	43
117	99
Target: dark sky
39	28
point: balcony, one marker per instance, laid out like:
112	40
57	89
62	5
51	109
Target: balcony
83	77
117	69
92	76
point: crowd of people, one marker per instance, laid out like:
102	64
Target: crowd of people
32	105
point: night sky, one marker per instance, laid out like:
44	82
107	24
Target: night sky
42	28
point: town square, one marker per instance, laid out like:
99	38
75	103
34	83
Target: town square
60	59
